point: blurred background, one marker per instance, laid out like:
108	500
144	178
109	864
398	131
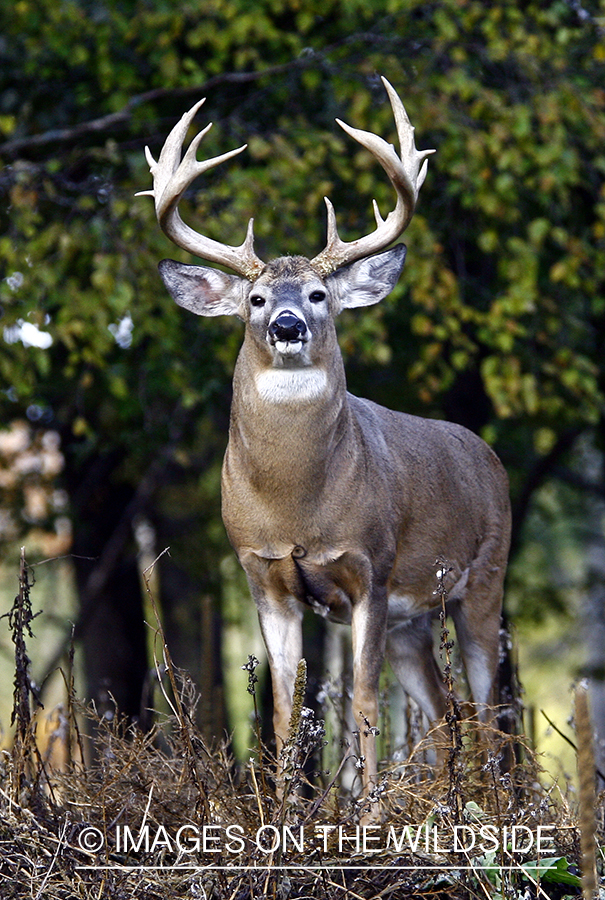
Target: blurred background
114	402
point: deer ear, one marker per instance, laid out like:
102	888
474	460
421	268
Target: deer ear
203	291
367	281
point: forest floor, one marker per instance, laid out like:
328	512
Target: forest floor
103	810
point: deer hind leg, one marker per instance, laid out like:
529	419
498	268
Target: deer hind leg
410	653
477	618
477	621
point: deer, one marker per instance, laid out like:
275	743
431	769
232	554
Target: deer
331	501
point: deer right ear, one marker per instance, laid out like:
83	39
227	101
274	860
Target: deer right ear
204	291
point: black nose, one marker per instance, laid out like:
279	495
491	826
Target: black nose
287	327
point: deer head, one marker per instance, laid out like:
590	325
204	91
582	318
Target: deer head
289	303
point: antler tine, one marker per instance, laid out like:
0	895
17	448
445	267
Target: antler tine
171	178
406	173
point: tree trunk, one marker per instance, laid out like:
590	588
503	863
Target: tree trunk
110	626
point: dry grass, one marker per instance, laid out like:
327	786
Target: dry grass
132	822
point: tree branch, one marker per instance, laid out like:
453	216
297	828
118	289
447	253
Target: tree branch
106	123
308	59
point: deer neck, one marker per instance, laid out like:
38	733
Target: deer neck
288	422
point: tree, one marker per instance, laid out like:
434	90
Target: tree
499	319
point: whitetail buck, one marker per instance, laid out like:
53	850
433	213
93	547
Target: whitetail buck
331	501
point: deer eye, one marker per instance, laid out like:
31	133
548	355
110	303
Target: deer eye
317	296
257	300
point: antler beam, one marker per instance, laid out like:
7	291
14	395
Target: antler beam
171	178
173	175
406	174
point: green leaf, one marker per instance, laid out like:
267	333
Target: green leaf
554	870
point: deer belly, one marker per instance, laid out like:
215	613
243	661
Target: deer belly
404	605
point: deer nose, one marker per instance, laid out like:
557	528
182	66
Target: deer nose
287	327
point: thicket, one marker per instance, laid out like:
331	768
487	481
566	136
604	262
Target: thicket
163	814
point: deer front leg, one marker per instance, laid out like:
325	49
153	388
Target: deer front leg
281	627
369	618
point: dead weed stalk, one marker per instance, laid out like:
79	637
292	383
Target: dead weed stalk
453	715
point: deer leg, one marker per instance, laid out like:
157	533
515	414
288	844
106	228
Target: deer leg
369	616
477	617
477	630
281	627
477	621
410	653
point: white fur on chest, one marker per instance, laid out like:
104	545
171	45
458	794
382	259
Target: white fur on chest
287	385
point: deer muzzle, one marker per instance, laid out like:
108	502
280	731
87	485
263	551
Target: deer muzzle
288	332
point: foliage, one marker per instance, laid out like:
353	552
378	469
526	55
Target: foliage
506	252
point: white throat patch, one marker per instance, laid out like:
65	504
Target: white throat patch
288	385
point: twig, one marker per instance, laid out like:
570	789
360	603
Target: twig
317	803
569	741
257	794
112	120
53	860
250	668
20	618
69	681
453	715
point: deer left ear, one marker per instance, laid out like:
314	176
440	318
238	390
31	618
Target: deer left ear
367	281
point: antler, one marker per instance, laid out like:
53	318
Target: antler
171	178
406	175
